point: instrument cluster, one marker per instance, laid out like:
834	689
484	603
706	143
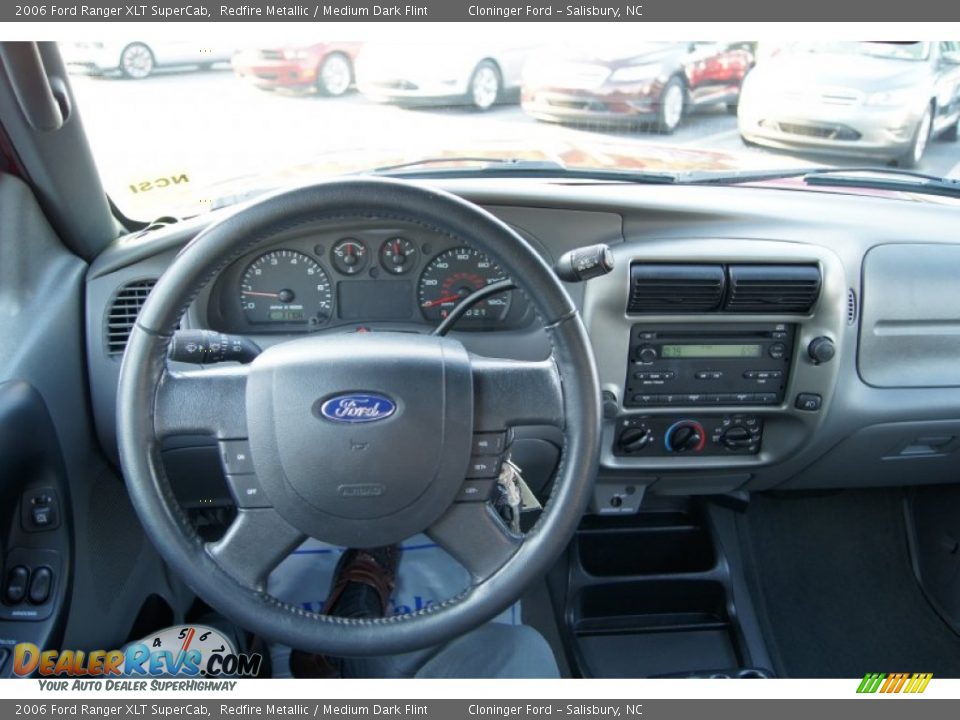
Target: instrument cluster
378	275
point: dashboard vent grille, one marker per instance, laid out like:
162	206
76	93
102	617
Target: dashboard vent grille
123	314
851	307
675	288
773	288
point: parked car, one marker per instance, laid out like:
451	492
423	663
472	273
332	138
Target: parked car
327	67
476	75
138	59
651	82
874	99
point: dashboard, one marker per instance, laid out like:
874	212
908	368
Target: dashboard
747	338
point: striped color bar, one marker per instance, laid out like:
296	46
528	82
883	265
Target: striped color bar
894	683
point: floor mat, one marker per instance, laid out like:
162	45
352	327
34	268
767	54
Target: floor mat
840	598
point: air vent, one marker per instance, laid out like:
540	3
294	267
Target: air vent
851	307
123	314
773	288
675	288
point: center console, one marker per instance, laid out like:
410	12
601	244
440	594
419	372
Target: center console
716	360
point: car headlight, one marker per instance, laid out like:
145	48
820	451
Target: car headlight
295	54
635	73
900	97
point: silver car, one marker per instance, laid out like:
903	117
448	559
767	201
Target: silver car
137	59
870	99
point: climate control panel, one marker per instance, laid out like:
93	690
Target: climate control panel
738	434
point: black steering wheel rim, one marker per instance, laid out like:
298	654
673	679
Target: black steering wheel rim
143	374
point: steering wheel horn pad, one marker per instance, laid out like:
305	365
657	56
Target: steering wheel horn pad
355	477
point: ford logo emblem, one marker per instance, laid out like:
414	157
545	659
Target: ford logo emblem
358	408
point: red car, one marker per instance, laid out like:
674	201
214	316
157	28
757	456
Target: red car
644	83
326	67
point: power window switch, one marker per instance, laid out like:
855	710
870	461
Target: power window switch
15	588
40	585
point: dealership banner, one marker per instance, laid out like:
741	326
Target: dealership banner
478	709
489	10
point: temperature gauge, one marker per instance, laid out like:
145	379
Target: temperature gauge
349	256
398	255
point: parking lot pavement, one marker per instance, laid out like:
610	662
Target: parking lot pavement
215	126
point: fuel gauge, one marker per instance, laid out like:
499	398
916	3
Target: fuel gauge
398	255
349	256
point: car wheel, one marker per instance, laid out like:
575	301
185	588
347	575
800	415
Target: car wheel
912	157
136	61
335	75
671	105
485	86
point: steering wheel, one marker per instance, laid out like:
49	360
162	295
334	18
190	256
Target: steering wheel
358	484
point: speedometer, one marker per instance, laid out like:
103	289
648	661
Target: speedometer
285	286
453	275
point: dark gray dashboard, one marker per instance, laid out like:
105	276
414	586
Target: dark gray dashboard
861	433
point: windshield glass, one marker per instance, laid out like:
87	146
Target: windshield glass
180	128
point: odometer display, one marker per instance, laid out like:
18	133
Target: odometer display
285	286
453	275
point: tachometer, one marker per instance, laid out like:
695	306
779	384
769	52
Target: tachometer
285	286
454	274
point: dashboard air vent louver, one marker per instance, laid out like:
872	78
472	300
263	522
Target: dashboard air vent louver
773	288
675	288
123	314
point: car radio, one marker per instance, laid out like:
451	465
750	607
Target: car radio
708	364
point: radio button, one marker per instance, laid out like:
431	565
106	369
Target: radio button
766	398
646	354
711	398
751	374
693	398
743	398
777	350
646	399
709	375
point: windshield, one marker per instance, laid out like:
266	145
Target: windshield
179	128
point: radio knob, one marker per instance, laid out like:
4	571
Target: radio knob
685	436
821	350
647	354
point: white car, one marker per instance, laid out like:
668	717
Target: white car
138	59
477	75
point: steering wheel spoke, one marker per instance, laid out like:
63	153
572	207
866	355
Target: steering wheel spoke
202	402
254	544
515	392
476	537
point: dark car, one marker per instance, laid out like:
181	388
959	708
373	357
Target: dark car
654	82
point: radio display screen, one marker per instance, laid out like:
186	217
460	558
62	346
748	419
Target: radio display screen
710	351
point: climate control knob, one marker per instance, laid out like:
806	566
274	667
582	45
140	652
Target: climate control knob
685	436
634	439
